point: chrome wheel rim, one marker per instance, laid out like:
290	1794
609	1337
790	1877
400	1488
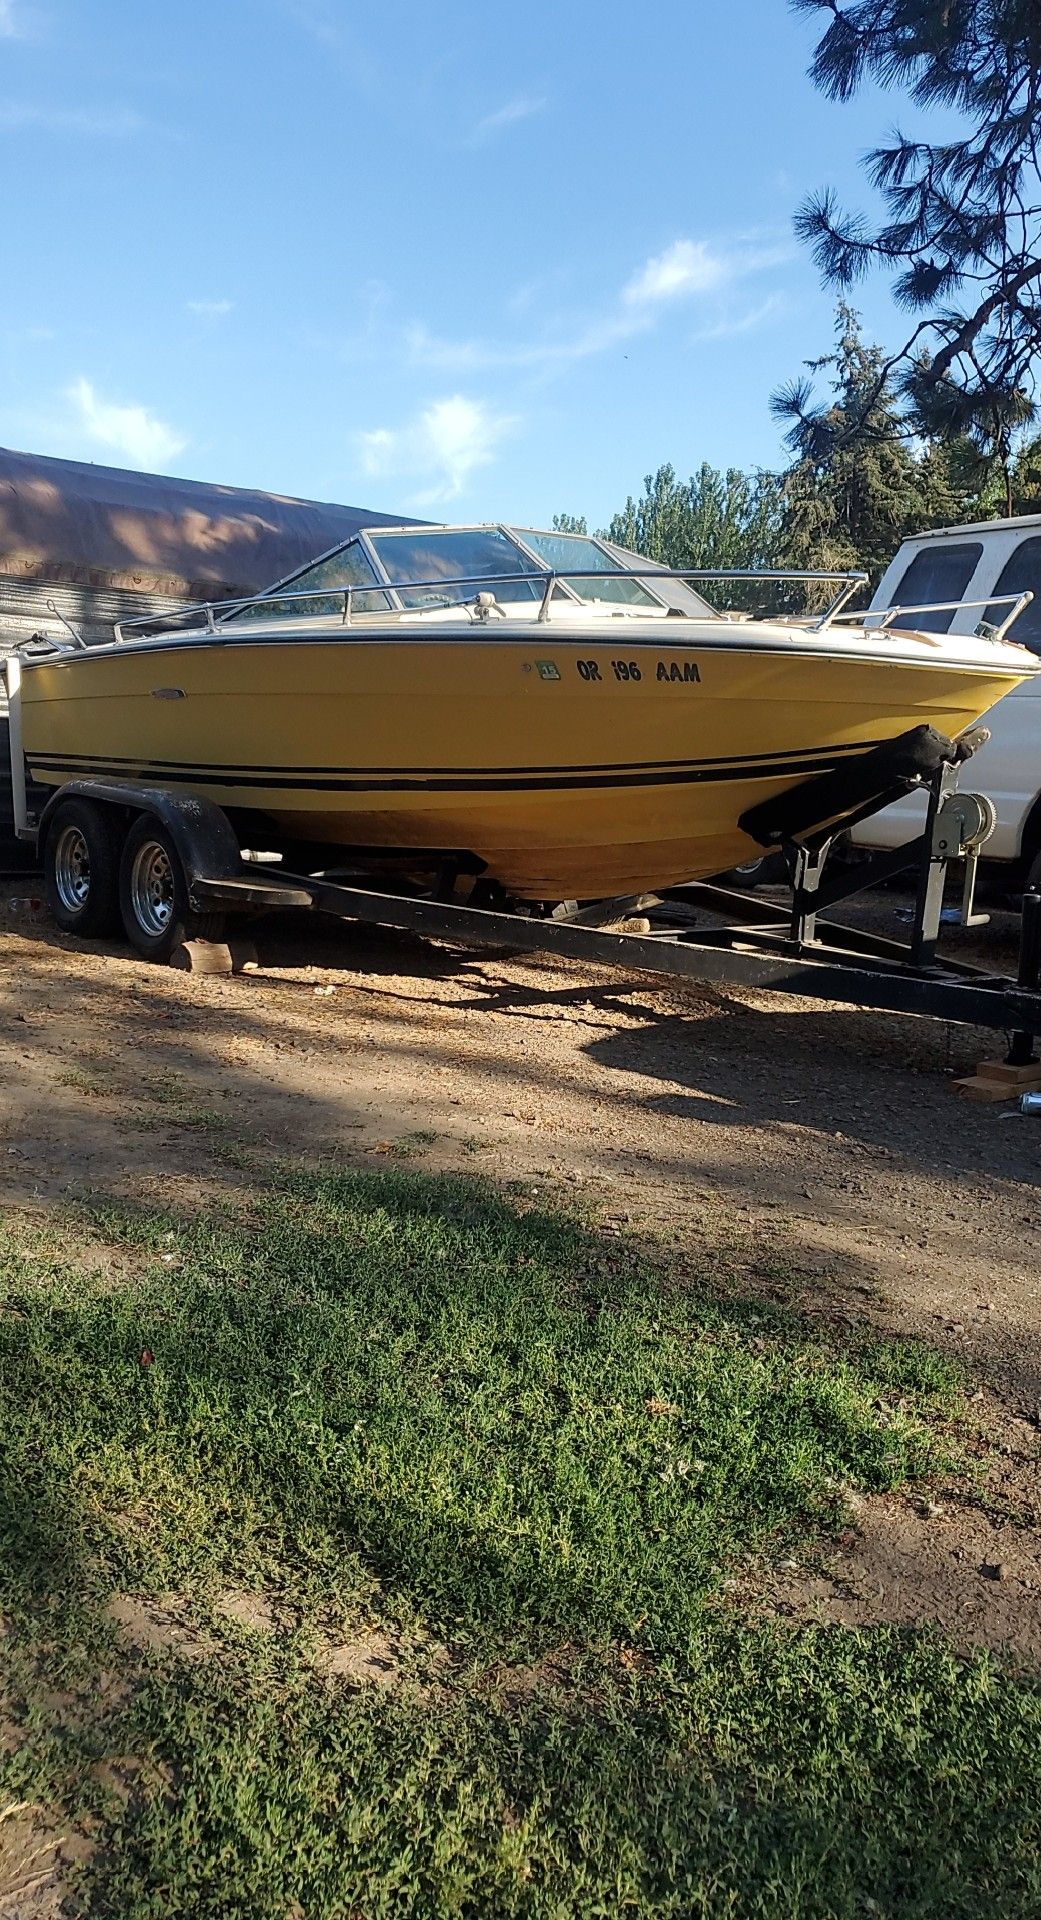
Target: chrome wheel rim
72	870
152	888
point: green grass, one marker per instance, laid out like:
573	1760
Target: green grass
399	1404
82	1081
415	1142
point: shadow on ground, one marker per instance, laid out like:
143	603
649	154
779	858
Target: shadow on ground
400	1397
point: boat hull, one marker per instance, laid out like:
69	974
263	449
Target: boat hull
570	767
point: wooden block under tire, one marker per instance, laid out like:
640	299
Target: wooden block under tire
215	956
202	956
243	955
1018	1078
983	1086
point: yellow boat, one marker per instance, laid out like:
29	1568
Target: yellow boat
543	709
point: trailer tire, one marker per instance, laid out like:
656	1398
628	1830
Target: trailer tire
158	916
81	868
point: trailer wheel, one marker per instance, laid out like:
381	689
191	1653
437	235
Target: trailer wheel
81	868
153	895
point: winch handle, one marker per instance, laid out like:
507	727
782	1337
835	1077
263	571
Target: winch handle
969	743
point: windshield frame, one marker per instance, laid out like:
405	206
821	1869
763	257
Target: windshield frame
620	561
564	580
278	588
435	528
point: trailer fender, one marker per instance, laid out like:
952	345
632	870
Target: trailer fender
201	830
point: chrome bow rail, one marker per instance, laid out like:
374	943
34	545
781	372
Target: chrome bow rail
879	618
217	613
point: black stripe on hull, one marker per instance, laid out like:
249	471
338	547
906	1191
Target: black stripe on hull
696	774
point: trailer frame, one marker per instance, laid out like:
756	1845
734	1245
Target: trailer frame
756	948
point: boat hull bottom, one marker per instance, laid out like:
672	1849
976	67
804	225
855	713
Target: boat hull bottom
535	872
544	866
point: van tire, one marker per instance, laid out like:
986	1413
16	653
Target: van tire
769	870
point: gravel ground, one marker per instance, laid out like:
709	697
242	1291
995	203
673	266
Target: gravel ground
820	1148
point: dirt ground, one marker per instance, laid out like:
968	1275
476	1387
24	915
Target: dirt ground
814	1142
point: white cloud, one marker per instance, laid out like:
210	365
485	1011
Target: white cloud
425	349
729	325
535	356
131	431
688	266
210	309
318	19
522	107
338	30
686	270
110	123
28	336
12	23
440	449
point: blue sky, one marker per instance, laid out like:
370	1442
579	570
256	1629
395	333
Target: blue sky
465	261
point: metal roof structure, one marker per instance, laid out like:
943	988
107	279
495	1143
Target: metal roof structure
102	528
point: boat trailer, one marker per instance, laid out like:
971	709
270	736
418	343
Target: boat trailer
702	932
723	935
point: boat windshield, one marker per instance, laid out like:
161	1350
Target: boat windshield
445	566
678	595
350	566
478	556
563	550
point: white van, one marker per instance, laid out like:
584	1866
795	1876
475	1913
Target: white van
970	564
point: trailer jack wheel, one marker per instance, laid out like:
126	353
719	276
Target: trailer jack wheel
158	916
81	868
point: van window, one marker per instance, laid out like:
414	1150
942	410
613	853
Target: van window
1022	570
938	574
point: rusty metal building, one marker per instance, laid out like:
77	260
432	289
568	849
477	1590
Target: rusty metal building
97	544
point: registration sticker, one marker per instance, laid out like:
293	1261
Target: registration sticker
547	669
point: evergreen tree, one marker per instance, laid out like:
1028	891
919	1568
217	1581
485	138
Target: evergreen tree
857	486
852	489
715	519
962	225
1025	479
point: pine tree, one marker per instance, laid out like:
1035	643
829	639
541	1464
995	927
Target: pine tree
854	487
1026	478
714	519
962	228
